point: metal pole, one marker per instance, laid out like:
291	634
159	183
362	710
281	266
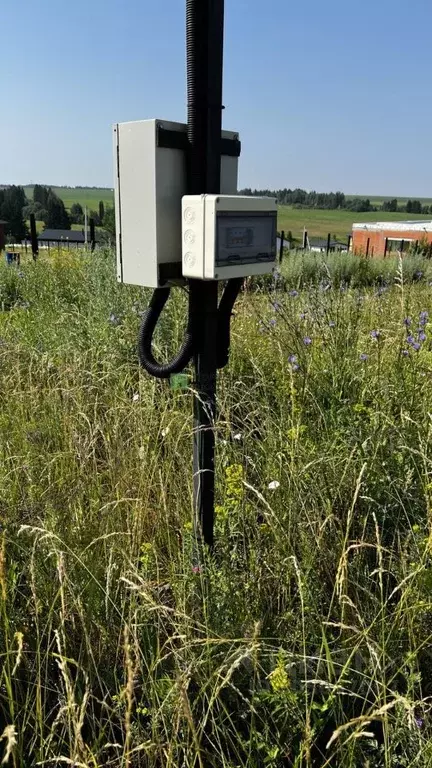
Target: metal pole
204	27
367	247
92	234
328	244
281	248
33	235
385	247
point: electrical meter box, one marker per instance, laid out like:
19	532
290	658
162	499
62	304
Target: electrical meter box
228	236
150	180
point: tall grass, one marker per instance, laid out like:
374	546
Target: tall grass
305	639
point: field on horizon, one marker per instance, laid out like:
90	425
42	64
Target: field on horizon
86	197
379	199
319	223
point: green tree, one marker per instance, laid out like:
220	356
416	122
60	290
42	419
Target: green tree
14	200
40	213
101	211
409	205
41	194
416	206
77	213
57	217
95	216
109	223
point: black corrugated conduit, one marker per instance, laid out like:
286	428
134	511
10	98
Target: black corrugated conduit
145	338
197	161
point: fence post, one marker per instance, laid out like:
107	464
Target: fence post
33	236
305	238
385	247
402	246
92	235
367	247
416	247
281	248
328	244
349	243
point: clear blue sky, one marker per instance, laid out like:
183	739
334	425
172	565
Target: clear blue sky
326	95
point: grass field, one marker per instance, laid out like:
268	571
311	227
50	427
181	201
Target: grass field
379	199
319	223
305	641
86	197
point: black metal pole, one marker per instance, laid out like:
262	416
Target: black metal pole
281	248
328	244
204	29
33	235
367	247
385	247
92	234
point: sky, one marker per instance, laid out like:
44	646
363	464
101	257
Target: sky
328	95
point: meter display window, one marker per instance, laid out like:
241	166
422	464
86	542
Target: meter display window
245	238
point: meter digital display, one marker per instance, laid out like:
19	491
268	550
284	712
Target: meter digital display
239	237
245	238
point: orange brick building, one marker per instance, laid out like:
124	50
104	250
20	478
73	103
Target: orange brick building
384	237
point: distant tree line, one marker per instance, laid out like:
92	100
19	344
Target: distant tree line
300	198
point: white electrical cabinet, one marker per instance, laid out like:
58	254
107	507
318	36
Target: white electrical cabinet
150	180
228	236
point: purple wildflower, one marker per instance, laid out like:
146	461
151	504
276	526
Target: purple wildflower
307	341
419	721
416	346
375	334
302	315
295	367
422	336
292	359
405	353
424	316
276	305
293	293
410	340
272	322
364	357
407	321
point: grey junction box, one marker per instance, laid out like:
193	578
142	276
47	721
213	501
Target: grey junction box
150	181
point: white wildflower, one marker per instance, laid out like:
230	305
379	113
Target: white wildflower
273	485
9	735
